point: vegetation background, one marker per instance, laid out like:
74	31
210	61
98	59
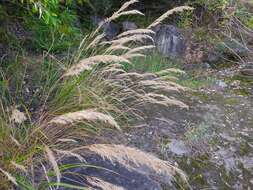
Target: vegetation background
63	88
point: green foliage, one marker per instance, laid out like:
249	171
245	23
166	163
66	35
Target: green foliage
152	63
53	12
245	14
211	5
52	39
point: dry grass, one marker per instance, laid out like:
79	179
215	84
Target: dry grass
106	91
84	115
169	71
135	32
89	63
101	184
168	13
9	177
135	159
19	167
53	161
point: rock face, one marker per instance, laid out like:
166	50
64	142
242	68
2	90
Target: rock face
169	41
127	25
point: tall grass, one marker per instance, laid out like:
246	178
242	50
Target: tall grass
80	96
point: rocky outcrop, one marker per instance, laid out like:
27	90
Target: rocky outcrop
169	41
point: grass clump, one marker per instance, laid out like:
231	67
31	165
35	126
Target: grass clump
56	108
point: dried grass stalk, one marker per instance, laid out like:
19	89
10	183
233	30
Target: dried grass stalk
138	160
89	115
133	38
160	99
19	167
168	13
67	140
70	154
52	160
131	12
9	177
126	5
96	41
115	48
169	71
168	78
162	85
101	184
115	15
140	49
15	140
135	32
130	56
88	63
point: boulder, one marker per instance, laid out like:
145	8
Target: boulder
226	51
169	41
232	49
111	30
127	25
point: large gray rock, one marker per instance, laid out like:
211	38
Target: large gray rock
226	52
111	30
169	41
232	49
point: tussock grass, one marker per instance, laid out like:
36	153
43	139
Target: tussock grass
84	115
81	96
137	160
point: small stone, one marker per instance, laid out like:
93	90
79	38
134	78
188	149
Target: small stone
17	116
178	147
27	90
236	83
